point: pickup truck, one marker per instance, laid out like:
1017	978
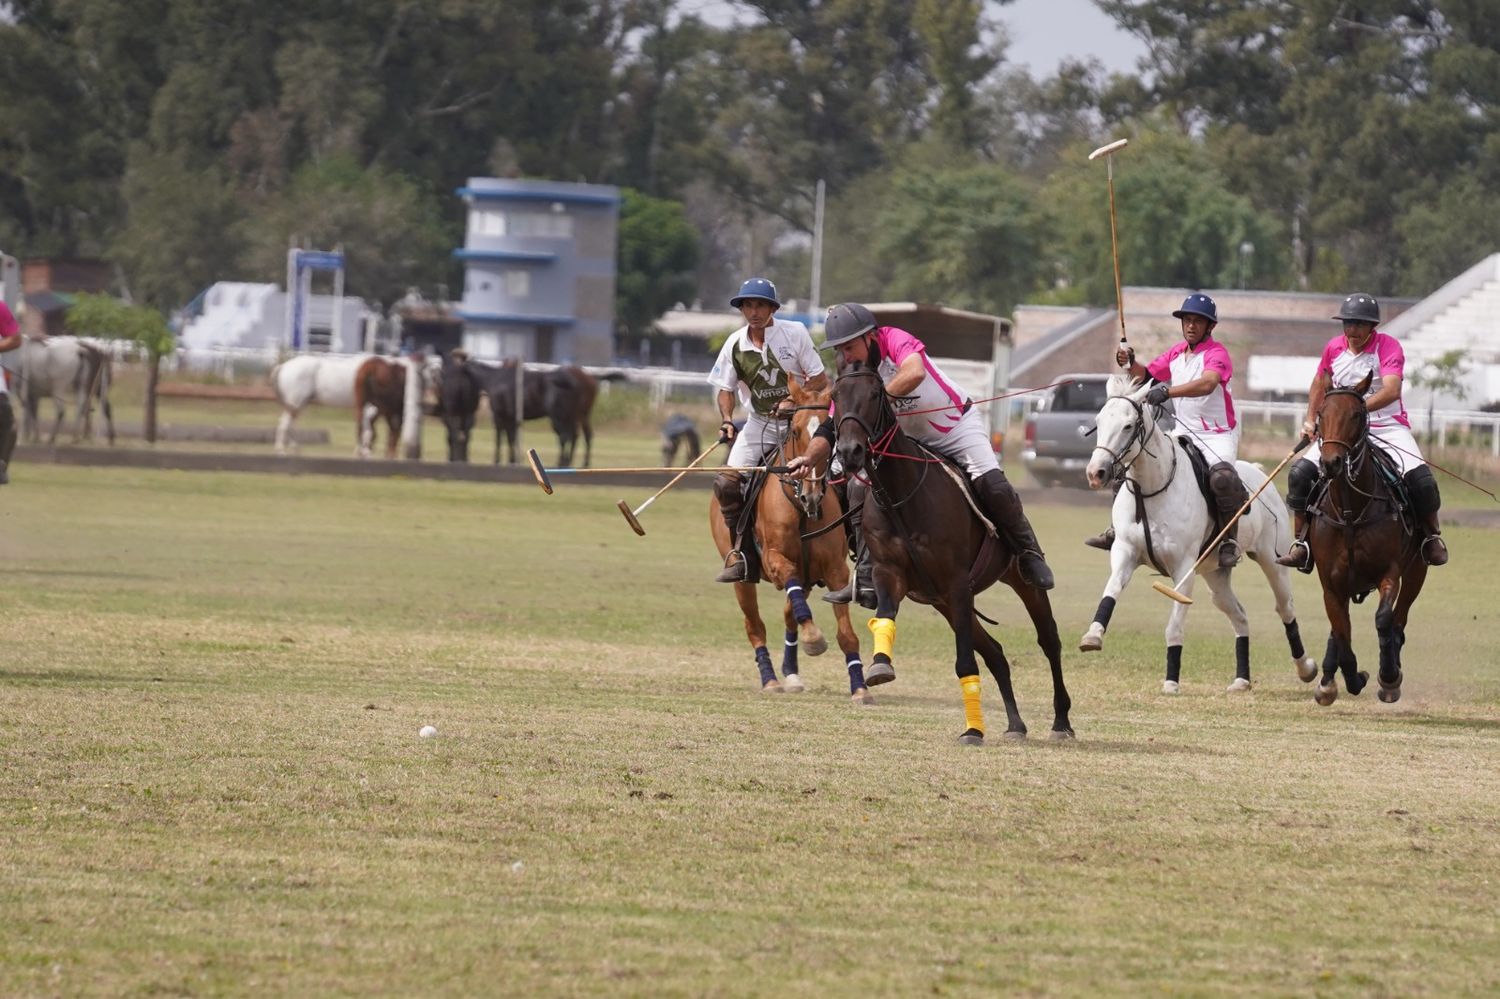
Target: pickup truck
1058	439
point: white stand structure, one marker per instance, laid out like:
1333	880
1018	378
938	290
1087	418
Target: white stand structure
301	320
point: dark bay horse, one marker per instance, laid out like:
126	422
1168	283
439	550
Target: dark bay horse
564	395
785	511
459	390
927	543
1362	539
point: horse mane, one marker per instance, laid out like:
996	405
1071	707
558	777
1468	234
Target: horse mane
1121	383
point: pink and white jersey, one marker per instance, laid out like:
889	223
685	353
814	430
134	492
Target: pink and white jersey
1212	413
936	392
1382	356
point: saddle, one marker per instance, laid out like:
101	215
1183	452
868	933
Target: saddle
1389	473
993	559
1200	473
744	539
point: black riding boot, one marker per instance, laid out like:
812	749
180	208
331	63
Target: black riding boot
7	435
861	585
1229	495
1300	482
1004	507
1106	541
1425	501
731	495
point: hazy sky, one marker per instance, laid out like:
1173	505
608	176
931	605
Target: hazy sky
1042	32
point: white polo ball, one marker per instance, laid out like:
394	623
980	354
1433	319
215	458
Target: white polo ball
428	732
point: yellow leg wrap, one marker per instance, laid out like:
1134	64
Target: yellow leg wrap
884	630
973	714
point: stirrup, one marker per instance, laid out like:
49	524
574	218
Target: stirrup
734	571
1295	559
1104	542
1437	556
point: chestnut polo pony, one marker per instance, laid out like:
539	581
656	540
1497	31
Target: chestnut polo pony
1362	539
927	542
802	544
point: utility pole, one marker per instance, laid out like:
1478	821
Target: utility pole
817	254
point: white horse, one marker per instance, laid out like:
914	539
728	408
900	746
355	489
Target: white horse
1178	524
56	367
330	379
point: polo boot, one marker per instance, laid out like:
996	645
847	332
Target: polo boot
1230	495
1425	501
731	495
1300	482
1004	507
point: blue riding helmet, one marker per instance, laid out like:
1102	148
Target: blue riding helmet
756	288
1198	304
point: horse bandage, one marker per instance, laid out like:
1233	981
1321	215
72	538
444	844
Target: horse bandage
884	630
973	713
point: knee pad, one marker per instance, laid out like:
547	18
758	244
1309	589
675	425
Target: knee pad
728	489
1422	486
1299	485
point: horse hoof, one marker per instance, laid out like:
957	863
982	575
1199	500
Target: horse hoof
815	647
971	737
1170	687
1237	685
878	673
1388	695
1090	642
792	684
1307	669
772	687
1326	694
1061	735
1356	683
1015	735
862	697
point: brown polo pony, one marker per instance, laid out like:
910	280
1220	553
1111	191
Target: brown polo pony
785	511
1362	539
926	542
381	392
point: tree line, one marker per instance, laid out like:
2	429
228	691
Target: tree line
1320	145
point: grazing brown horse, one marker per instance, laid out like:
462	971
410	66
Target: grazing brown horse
383	389
1362	538
785	511
564	395
927	542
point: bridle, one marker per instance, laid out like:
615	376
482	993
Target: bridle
878	436
807	493
1356	452
1122	460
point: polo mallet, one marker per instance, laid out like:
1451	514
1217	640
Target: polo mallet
544	475
1108	151
631	515
1213	546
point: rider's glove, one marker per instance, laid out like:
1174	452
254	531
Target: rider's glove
726	431
1158	394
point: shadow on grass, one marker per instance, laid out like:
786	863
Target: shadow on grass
78	573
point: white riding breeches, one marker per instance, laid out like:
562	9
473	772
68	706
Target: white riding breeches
1395	440
759	437
967	443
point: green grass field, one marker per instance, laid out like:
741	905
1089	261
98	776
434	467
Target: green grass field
211	779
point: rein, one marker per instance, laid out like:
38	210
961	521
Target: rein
1139	436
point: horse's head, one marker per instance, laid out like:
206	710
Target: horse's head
811	411
863	412
1343	425
1120	430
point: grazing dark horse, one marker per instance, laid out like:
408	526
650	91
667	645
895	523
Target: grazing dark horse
459	390
928	543
390	390
1362	539
785	510
564	395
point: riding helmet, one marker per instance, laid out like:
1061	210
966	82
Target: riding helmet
1360	308
756	288
1198	304
846	322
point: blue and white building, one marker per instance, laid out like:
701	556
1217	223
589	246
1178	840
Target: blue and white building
539	270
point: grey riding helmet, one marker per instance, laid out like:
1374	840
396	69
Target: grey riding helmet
1360	308
846	322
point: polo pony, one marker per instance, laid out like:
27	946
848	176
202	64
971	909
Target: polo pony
1362	538
802	544
928	542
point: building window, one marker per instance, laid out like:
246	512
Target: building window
516	284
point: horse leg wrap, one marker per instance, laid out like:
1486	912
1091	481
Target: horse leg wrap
763	663
1105	612
1294	639
884	630
789	654
1174	662
1242	656
856	671
798	600
973	713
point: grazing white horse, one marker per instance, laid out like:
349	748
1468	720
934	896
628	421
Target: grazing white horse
329	379
1179	525
56	367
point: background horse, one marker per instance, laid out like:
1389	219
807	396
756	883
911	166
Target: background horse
390	389
55	368
459	390
564	395
1175	527
331	380
1361	540
785	511
927	543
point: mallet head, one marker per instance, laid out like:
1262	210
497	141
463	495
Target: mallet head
635	525
1105	150
535	461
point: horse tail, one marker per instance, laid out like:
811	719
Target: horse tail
275	378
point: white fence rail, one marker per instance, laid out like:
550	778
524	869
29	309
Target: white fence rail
1444	421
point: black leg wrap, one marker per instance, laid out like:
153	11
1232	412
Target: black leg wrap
1242	656
1105	612
1174	662
1294	639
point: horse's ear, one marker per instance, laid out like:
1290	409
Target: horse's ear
1121	383
1364	385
